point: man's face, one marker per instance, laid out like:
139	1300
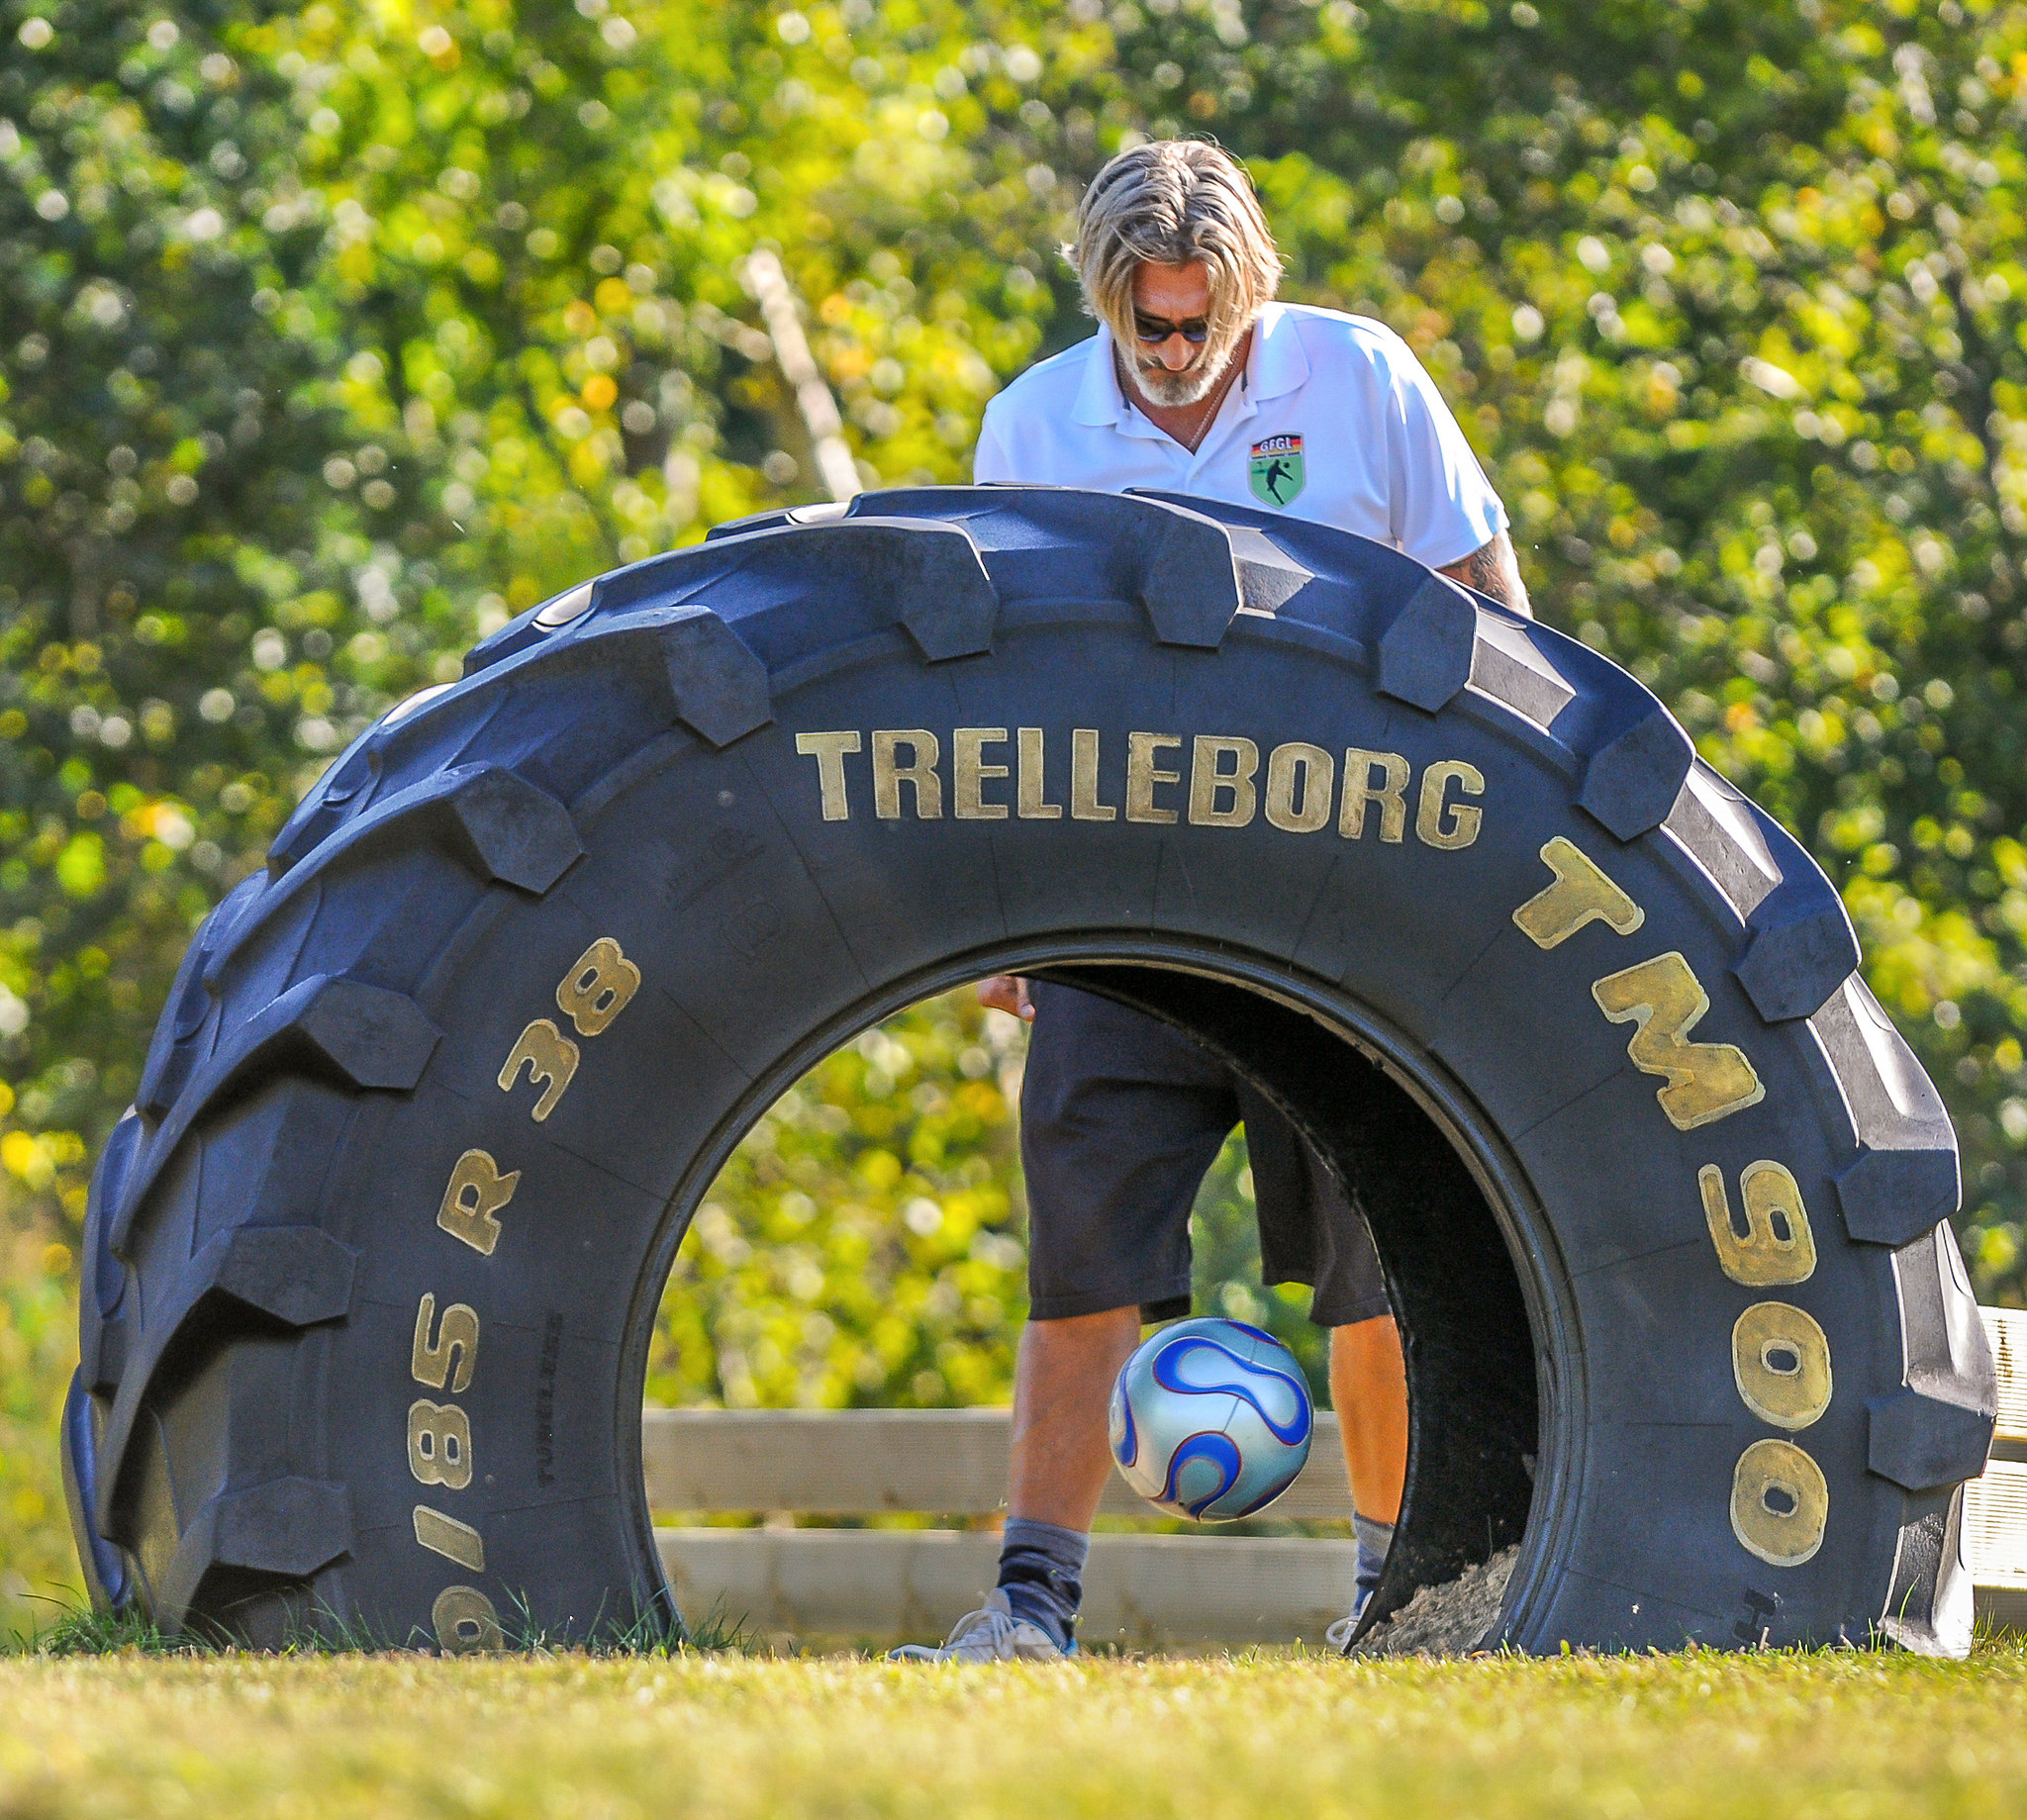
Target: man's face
1174	369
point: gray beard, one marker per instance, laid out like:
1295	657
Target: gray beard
1193	385
1172	391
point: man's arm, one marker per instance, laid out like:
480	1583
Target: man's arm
1495	571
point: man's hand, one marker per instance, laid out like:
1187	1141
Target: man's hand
1003	991
1494	570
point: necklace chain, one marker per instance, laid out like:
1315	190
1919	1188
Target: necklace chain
1210	407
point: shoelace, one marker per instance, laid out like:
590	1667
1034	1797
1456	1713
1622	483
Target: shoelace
1338	1636
995	1625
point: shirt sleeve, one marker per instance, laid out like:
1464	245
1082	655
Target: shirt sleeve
1443	507
989	463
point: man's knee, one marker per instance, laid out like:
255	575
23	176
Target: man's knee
1073	1330
1373	1341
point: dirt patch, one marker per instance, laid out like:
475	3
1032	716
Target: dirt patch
1445	1620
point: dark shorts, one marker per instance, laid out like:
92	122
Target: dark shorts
1121	1115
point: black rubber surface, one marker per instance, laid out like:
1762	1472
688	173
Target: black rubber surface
372	1264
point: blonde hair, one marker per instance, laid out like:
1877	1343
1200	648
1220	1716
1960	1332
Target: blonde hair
1175	202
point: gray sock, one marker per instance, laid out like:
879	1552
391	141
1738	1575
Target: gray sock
1374	1540
1041	1566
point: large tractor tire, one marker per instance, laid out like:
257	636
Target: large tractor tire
1661	1196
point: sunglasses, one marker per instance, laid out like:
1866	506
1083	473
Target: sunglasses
1155	330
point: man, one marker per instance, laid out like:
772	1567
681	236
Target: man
1197	382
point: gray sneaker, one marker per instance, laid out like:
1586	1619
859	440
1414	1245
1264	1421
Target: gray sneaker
991	1634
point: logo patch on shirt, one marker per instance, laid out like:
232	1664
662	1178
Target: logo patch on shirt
1275	470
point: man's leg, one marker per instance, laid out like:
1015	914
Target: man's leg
1060	1461
1119	1117
1061	1388
1369	1386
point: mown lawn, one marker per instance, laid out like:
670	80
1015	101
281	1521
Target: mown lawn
726	1737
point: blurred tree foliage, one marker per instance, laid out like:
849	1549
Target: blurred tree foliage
38	1351
864	1245
330	335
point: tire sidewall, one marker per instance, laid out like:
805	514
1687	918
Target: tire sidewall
765	934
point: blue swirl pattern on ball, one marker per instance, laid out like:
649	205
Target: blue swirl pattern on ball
1125	1437
1169	1373
1210	1419
1221	1453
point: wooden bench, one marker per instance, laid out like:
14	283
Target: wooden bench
1145	1591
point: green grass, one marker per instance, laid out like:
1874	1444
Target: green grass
68	1629
729	1736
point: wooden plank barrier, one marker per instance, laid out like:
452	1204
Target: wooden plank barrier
880	1462
879	1584
1995	1506
1143	1591
2006	1328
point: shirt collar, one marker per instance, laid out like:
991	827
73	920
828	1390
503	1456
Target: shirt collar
1275	365
1099	401
1279	364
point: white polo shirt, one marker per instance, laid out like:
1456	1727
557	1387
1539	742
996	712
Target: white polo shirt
1334	420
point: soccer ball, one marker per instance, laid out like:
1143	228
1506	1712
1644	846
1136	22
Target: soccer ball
1210	1419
